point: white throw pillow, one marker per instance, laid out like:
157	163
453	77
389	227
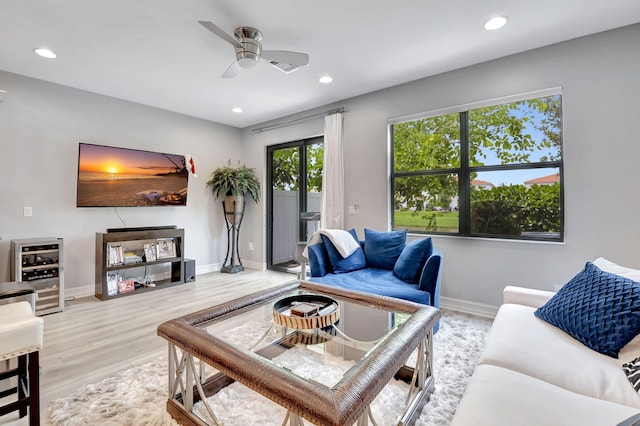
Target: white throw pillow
630	351
614	268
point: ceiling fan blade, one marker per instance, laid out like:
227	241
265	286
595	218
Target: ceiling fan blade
287	57
217	31
232	71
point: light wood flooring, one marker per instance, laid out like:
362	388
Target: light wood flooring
91	340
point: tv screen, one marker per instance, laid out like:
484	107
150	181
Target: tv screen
121	177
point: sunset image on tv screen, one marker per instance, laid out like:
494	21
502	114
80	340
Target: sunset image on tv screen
121	177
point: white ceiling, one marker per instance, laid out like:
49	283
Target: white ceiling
155	53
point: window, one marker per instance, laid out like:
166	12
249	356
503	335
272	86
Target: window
490	171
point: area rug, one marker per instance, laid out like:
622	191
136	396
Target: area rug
138	395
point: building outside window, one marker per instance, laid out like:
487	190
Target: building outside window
491	169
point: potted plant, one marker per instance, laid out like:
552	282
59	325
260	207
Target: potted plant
233	183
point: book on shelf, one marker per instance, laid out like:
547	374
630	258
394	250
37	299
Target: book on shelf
115	255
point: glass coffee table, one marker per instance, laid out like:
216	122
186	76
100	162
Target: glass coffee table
285	344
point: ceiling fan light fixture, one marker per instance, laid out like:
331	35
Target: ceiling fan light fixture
325	79
247	63
246	42
495	23
45	53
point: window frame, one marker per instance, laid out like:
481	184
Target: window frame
464	170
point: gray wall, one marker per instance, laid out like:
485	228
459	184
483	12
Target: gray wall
40	127
599	79
42	123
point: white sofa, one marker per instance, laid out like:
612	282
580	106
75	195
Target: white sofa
532	373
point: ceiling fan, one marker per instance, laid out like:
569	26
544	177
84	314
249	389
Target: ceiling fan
249	51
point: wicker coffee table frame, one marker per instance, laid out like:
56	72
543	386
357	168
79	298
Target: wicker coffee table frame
344	404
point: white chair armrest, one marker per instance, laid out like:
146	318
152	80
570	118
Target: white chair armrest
526	296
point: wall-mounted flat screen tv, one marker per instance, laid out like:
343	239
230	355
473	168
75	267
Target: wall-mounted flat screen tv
121	177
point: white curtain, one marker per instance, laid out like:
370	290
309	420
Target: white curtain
332	213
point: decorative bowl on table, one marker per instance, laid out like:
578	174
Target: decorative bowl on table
306	311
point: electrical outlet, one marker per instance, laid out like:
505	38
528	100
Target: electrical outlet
353	208
251	246
28	211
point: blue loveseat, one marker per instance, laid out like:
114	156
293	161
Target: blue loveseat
384	264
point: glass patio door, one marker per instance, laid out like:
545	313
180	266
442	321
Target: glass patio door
294	186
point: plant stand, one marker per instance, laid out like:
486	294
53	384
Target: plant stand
232	262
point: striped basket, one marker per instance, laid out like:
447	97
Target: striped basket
282	312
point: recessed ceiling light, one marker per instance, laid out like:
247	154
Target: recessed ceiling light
325	79
237	110
495	23
45	53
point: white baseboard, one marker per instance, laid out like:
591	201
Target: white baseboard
467	307
205	269
78	292
252	264
214	267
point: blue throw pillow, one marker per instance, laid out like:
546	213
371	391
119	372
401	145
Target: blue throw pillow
382	249
409	265
597	308
340	264
319	262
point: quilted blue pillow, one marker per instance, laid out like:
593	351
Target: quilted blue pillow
340	264
382	249
412	259
597	308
